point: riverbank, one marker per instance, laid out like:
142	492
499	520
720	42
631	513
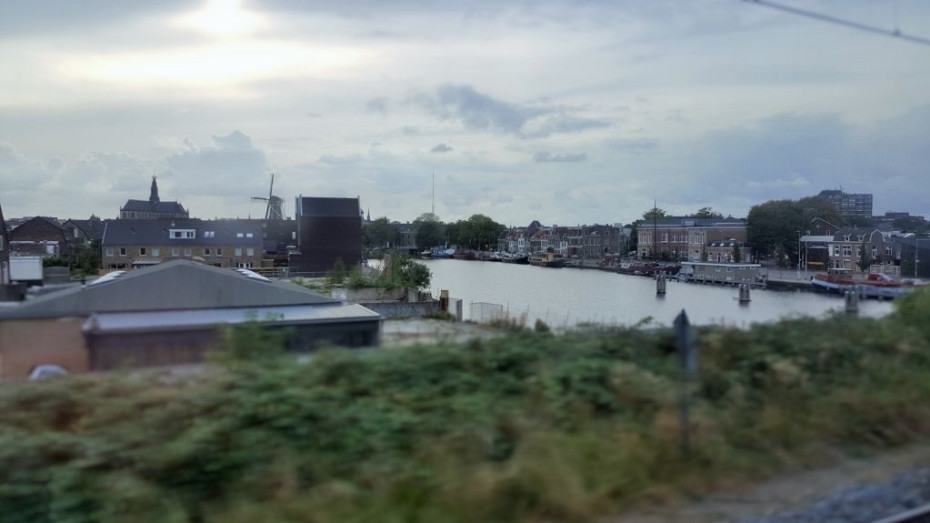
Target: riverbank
525	427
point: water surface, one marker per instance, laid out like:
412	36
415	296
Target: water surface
564	297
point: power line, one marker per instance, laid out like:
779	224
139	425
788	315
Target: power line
839	21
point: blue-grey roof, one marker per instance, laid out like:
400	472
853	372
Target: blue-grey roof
180	285
178	320
149	206
156	232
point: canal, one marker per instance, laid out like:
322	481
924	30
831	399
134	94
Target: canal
565	297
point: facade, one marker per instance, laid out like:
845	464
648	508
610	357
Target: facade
683	238
722	251
849	205
170	314
328	229
723	273
4	252
846	249
912	254
39	236
130	244
582	241
153	208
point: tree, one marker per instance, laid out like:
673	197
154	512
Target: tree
915	224
479	232
654	212
382	234
429	231
706	212
773	227
865	256
737	254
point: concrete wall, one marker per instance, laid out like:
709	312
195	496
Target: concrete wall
27	343
404	309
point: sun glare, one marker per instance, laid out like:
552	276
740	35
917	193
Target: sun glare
222	18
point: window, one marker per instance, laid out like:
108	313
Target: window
122	251
155	252
245	265
109	251
219	251
248	235
187	251
238	251
142	251
209	234
206	251
185	234
175	251
239	235
250	252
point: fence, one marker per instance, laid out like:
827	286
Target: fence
482	312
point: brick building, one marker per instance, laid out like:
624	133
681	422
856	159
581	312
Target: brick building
684	238
128	244
153	208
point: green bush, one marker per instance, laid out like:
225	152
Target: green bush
526	427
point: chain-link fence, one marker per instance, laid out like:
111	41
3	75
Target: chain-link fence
482	312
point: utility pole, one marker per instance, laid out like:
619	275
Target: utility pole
433	211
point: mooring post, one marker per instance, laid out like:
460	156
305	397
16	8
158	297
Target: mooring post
688	366
744	293
660	283
852	302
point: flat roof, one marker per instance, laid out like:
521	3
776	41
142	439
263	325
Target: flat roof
115	322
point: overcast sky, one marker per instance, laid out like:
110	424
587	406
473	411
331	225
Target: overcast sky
563	111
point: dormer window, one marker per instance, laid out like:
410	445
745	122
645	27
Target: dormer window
182	234
209	234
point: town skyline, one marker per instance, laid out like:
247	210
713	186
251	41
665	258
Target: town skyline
565	113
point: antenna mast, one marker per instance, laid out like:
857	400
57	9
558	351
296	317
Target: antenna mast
434	195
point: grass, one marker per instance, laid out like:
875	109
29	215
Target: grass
526	427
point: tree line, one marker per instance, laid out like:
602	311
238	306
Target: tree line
477	232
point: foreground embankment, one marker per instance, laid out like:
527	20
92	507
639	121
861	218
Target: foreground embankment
525	427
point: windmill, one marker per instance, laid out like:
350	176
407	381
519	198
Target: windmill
275	209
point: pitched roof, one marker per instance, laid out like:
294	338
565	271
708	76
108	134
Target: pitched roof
92	228
148	206
155	232
173	285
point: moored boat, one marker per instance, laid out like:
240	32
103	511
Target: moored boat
518	258
548	259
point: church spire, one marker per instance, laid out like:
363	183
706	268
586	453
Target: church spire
153	197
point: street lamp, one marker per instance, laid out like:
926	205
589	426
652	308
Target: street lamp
799	255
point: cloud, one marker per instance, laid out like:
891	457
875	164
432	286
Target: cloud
545	156
480	112
410	130
634	146
377	105
20	172
440	148
232	166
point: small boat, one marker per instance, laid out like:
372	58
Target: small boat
836	280
439	252
463	255
548	259
520	259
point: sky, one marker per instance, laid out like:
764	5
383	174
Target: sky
566	112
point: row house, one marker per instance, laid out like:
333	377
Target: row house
685	238
40	236
849	244
128	244
583	241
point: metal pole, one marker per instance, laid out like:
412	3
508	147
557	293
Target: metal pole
916	248
799	255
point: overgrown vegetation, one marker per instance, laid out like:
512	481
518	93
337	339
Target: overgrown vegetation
529	427
399	271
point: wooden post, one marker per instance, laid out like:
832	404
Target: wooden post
660	283
852	302
688	365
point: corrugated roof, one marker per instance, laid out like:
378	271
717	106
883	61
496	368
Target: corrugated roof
156	232
172	285
179	320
